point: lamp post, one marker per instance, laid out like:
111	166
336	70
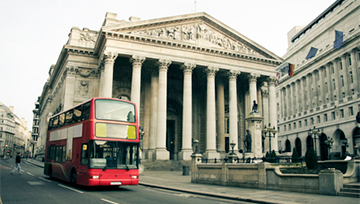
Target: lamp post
196	144
269	130
329	142
232	145
316	133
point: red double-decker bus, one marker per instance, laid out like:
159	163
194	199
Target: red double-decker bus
95	143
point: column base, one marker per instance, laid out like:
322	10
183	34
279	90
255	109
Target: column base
211	154
185	154
162	154
151	154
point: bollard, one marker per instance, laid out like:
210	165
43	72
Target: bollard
185	170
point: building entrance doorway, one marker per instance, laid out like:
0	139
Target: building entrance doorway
170	138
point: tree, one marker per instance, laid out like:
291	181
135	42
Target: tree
310	159
295	156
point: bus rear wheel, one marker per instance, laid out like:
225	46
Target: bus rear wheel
73	178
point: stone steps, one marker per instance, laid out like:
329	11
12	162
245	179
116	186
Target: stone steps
350	190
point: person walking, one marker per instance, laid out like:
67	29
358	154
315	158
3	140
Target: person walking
17	161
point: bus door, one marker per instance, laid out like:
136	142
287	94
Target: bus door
82	171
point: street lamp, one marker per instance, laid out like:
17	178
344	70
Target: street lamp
329	142
316	133
196	144
269	130
232	145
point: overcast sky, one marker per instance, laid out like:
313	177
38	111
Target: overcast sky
33	32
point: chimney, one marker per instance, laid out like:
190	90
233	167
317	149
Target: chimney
134	19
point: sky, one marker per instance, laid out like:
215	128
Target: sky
33	32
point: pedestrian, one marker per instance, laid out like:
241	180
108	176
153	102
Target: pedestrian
17	161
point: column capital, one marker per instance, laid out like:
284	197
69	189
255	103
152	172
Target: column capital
110	57
253	77
271	80
265	90
188	67
164	64
210	71
137	60
233	74
70	71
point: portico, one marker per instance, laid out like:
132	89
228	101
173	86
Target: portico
191	76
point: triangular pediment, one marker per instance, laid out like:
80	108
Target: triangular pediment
200	29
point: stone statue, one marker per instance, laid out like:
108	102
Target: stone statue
247	141
254	107
358	117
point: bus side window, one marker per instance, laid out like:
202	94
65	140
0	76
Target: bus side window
56	121
69	117
84	154
85	111
77	114
63	153
61	119
50	124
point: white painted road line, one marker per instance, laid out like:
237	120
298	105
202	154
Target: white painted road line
108	201
44	179
30	174
70	188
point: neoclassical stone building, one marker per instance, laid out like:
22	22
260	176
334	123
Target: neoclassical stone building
324	91
192	77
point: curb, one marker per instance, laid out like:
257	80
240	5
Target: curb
207	194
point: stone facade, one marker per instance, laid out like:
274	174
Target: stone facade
191	76
13	132
324	90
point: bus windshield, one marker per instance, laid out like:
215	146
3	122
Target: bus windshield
113	155
114	110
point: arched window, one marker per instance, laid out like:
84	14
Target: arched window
287	146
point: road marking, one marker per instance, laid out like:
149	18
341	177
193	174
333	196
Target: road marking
44	179
30	174
70	188
35	183
108	201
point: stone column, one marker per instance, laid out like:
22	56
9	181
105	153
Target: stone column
329	83
272	111
70	80
252	88
282	96
337	90
308	95
153	113
322	85
288	99
355	70
302	92
296	99
186	150
106	79
161	152
220	113
210	115
136	81
265	99
345	73
233	110
315	92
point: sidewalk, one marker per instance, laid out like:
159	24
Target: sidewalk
174	180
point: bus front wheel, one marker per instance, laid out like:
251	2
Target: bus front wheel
73	178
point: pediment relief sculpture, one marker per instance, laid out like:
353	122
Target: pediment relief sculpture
198	33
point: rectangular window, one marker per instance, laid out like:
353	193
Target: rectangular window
306	124
333	115
289	126
284	127
294	125
312	121
300	124
325	117
340	64
318	119
114	110
349	60
351	111
341	113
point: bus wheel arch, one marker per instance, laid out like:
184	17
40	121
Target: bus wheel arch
50	172
73	177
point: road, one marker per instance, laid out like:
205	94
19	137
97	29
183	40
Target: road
35	187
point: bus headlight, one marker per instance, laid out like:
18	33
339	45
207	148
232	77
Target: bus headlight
134	177
94	177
